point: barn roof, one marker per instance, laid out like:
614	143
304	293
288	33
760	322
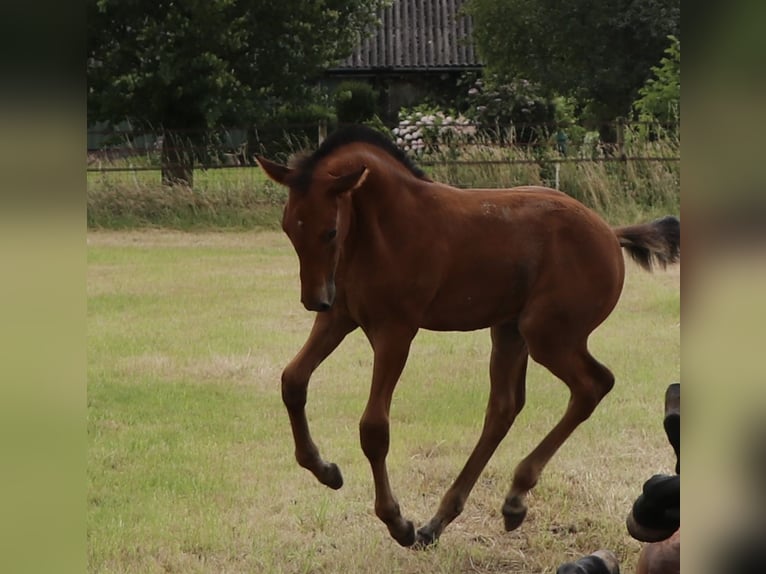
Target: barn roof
416	35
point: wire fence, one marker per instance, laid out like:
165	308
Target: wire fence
134	177
134	150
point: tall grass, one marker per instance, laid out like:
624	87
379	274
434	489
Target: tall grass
622	191
239	198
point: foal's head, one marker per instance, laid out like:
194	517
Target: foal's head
316	219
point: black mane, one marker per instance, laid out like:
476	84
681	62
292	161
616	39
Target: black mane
346	135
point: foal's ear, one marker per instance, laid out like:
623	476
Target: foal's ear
275	171
350	181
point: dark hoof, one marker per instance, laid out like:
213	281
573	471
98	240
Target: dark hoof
331	476
647	534
609	560
673	399
655	514
600	562
426	537
407	536
672	422
514	513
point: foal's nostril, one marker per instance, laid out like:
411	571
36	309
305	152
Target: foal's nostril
319	306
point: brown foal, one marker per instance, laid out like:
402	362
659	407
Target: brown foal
384	248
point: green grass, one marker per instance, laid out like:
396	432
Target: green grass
190	460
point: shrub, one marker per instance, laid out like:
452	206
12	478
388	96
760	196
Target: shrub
291	129
510	110
425	128
355	102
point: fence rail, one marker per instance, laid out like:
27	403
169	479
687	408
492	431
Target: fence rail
235	147
427	163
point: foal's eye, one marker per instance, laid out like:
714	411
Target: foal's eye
330	235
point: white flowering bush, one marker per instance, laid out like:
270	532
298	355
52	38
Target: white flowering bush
423	129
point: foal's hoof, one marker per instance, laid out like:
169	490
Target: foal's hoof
514	513
645	533
405	536
425	538
331	476
600	562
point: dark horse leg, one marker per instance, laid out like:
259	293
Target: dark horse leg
391	347
507	372
588	381
328	331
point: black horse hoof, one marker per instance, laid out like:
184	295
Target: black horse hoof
514	513
655	513
425	538
600	562
331	476
406	537
647	534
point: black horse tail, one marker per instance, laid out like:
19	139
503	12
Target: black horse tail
654	243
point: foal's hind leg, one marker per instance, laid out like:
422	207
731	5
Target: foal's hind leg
588	381
327	333
391	346
507	371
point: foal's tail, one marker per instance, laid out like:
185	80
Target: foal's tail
654	243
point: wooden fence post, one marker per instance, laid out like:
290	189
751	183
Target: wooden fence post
621	138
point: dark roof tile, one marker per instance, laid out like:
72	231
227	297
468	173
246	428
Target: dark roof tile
414	35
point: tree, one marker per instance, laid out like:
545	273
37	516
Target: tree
189	65
660	99
598	52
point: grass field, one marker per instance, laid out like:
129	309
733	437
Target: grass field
190	460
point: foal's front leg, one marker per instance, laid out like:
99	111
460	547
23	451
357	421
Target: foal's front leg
329	330
391	350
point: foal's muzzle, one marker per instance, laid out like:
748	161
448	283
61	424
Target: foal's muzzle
318	306
321	300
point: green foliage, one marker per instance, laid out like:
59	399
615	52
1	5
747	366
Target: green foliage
377	124
660	99
198	64
566	121
507	108
590	50
188	67
309	113
355	102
